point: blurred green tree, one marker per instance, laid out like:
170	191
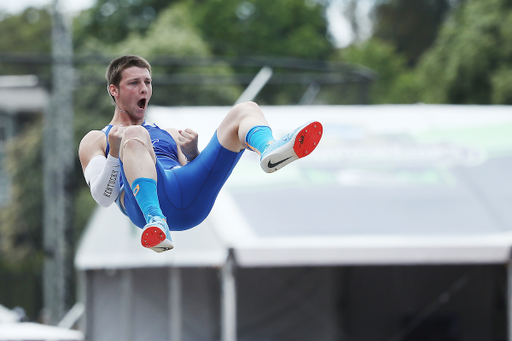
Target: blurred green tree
21	224
411	26
111	21
471	61
395	83
291	28
27	32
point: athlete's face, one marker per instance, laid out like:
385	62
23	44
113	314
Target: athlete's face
134	91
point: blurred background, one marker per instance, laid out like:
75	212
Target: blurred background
205	53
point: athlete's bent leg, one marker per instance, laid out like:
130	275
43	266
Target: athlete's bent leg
138	158
246	127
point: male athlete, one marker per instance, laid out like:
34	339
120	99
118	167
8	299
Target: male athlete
158	177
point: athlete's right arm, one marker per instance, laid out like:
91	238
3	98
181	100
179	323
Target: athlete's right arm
101	173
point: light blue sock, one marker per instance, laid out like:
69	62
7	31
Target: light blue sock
258	138
144	190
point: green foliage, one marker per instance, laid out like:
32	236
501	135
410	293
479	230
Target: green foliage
411	26
21	223
471	60
501	84
172	34
20	285
395	82
293	28
28	32
111	21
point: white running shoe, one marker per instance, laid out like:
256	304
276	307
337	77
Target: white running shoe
156	235
296	145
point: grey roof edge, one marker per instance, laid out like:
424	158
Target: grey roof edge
377	250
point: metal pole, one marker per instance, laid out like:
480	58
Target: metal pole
509	300
175	304
228	304
58	161
126	289
83	297
254	88
309	96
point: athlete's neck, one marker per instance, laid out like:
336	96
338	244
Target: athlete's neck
125	118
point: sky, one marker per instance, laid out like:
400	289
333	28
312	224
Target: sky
338	26
19	5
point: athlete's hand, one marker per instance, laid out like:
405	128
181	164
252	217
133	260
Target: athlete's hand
114	139
187	141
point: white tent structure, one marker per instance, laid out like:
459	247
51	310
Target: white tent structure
28	331
11	329
398	227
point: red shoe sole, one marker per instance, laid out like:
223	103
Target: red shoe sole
307	139
152	236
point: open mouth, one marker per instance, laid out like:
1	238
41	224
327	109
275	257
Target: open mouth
141	103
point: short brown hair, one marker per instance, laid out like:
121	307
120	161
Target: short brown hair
116	67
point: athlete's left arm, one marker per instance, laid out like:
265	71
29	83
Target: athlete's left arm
187	143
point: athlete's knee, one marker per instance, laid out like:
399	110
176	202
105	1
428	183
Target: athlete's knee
248	104
136	134
136	131
245	108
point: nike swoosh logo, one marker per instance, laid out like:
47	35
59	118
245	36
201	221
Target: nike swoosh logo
272	165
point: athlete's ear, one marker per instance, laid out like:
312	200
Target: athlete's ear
112	90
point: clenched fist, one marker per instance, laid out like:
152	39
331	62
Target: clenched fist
187	141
